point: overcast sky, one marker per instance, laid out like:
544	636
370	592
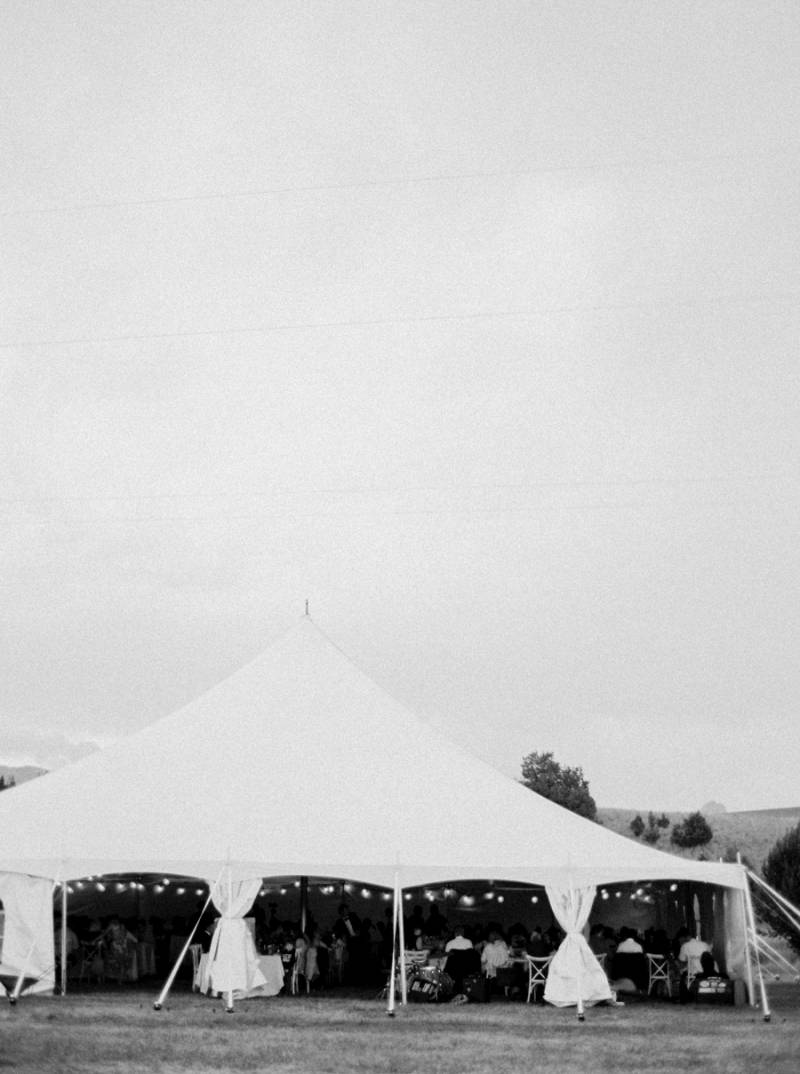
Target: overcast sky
476	324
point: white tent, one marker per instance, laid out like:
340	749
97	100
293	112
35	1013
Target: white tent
299	764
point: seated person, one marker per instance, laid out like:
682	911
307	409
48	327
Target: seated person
658	943
495	957
692	951
629	963
628	943
537	945
462	959
459	941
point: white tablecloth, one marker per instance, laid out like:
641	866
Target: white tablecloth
272	968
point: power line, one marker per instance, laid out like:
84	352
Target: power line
385	322
404	490
390	181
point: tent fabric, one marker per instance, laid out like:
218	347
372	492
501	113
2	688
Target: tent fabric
232	959
373	777
28	939
575	976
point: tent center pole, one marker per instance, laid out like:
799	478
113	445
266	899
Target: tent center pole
64	894
303	904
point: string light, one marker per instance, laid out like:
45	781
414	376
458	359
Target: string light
180	891
534	899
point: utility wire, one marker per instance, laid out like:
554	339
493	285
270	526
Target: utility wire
382	322
390	181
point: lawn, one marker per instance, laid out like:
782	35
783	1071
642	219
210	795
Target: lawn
120	1032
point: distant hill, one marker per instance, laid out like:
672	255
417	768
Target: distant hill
20	773
753	833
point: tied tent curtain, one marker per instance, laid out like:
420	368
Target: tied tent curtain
575	977
232	957
28	941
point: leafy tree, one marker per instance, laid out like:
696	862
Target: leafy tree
663	821
694	831
637	825
565	786
782	871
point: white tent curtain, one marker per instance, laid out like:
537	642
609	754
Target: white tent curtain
28	940
575	975
232	958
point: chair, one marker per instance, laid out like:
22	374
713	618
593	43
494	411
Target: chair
537	972
658	973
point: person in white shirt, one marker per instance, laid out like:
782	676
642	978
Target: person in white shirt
628	944
459	941
495	954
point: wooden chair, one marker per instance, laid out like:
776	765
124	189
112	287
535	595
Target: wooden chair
658	973
537	973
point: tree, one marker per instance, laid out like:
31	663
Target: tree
694	831
637	825
565	786
782	871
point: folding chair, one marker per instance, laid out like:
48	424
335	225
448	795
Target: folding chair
658	973
537	972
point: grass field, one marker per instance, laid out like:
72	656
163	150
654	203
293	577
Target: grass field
120	1032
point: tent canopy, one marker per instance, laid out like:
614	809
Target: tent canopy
299	764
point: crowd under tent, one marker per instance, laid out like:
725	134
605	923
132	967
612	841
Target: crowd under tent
299	765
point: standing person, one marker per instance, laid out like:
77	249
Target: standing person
347	927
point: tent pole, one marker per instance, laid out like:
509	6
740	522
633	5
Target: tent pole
229	1008
747	959
748	963
579	966
64	893
393	963
159	1003
402	933
303	904
752	930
